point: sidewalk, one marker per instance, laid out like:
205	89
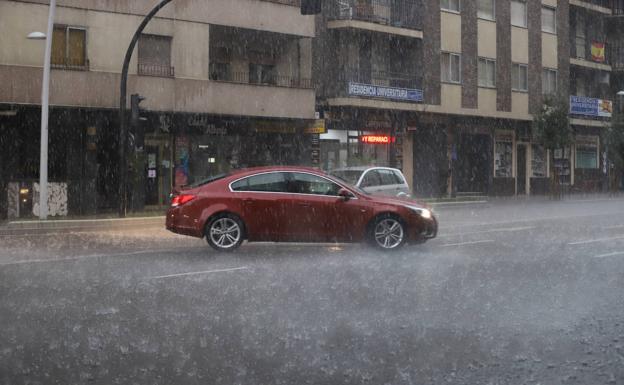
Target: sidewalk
87	223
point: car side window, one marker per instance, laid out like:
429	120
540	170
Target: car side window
399	177
371	179
387	177
301	183
270	182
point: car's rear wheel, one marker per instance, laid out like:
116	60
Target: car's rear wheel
388	233
225	232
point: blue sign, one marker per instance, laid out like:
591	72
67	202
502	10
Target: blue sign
581	105
407	94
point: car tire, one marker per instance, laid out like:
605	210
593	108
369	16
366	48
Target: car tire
388	232
225	232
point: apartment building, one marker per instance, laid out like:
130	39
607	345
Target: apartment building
447	90
226	85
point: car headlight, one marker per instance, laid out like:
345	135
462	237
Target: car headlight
420	211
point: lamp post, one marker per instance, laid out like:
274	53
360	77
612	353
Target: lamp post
45	95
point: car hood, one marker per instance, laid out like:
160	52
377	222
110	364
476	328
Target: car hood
400	201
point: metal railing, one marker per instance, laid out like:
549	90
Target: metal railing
618	7
156	70
396	13
589	55
616	56
267	80
68	64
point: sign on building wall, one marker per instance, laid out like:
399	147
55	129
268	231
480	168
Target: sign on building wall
369	90
580	105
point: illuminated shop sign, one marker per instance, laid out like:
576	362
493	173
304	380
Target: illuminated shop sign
407	94
377	139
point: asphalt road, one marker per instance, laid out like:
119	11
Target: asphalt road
509	293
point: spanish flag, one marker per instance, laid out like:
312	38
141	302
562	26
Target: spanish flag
598	52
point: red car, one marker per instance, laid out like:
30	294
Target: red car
294	204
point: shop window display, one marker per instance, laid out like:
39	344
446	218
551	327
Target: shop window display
562	164
538	161
503	159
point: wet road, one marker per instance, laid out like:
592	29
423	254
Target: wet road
510	293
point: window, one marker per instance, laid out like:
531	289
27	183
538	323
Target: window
271	182
581	87
155	55
518	13
549	81
538	161
388	177
220	71
580	41
399	177
450	5
261	73
487	73
587	152
301	183
371	179
519	77
503	157
549	20
486	9
69	47
451	67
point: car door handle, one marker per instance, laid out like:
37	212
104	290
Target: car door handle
304	204
247	200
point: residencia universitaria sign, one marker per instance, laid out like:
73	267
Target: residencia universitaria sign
407	94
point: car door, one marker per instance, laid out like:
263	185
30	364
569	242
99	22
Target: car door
264	203
309	205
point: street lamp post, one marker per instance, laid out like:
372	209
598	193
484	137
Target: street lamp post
45	95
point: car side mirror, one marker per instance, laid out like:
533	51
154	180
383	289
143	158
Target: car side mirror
345	194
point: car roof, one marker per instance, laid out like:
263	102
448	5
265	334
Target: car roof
255	170
364	168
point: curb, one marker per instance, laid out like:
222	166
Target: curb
69	225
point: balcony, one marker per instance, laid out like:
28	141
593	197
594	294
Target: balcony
156	70
70	65
217	73
616	56
294	3
388	85
590	108
394	13
602	6
618	7
596	55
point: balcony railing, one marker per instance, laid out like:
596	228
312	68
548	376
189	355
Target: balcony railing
381	78
156	70
616	56
69	64
618	7
593	52
396	13
600	3
267	80
377	84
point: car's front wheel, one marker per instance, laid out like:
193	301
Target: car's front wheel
225	232
388	233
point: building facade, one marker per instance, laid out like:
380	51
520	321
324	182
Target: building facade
227	84
449	89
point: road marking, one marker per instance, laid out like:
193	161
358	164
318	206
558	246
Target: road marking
595	240
79	257
509	229
467	243
609	254
198	272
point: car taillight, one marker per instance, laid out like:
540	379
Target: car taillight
181	199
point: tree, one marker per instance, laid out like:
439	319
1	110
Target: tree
551	126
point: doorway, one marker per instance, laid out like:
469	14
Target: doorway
521	169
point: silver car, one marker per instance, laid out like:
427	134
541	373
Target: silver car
375	180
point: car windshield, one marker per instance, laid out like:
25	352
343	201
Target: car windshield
349	176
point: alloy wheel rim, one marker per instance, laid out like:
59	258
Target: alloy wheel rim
389	233
225	233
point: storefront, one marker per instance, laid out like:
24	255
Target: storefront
205	146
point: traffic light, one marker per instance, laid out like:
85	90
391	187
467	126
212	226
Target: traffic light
136	120
310	7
